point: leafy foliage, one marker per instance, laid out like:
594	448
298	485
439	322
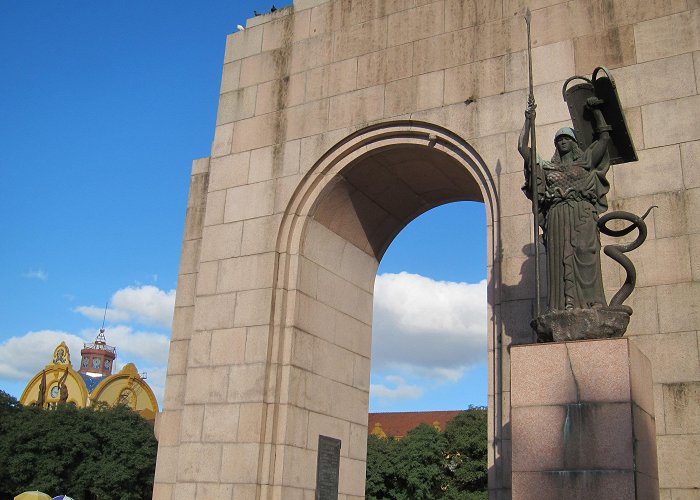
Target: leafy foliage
421	468
382	460
429	464
467	455
7	402
101	452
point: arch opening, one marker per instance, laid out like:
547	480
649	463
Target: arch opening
339	224
429	316
381	192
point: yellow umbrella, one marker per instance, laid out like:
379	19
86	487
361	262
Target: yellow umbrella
33	495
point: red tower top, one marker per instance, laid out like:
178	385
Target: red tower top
98	357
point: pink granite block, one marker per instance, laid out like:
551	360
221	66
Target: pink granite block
577	429
537	437
541	374
644	429
642	388
647	487
598	436
601	370
575	485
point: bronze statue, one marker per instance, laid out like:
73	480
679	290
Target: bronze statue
63	388
568	196
41	400
571	193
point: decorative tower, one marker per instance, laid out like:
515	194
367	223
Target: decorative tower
98	357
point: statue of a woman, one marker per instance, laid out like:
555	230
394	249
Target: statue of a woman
571	192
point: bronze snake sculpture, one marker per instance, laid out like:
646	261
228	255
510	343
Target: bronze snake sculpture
617	252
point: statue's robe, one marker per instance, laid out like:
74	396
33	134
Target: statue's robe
571	196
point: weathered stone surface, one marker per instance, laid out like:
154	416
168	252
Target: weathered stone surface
683	128
682	407
444	51
613	48
668	36
223	138
384	66
470	81
538	485
243	44
678	463
415	24
582	324
316	76
236	105
543	71
674	356
360	39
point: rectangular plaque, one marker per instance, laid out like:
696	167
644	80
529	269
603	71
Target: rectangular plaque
327	468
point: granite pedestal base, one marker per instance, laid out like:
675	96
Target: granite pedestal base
582	421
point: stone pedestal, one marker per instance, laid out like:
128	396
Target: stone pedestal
582	421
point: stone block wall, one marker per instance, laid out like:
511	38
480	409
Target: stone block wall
297	83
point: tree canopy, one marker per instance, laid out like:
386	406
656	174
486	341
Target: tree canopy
428	464
99	452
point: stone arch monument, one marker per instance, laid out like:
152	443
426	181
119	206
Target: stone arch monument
339	122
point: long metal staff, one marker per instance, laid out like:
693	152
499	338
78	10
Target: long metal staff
533	171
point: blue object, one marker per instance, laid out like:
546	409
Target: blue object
91	383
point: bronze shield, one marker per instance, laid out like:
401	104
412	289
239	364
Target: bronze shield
602	86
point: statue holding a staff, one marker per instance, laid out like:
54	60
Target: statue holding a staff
569	198
571	193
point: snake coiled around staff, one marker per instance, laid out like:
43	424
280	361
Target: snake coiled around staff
617	252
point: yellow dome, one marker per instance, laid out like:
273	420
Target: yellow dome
45	387
58	382
127	387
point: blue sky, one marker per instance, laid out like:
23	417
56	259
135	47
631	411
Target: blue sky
103	106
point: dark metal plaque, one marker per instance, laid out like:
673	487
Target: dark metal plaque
327	468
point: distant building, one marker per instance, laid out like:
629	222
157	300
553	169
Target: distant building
59	383
398	424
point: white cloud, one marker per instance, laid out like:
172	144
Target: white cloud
148	347
96	314
147	304
22	357
401	391
39	274
427	328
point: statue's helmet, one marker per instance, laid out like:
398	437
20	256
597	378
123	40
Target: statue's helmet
567	131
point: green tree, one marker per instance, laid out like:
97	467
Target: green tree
421	468
408	469
8	402
429	464
105	453
8	407
126	449
467	455
382	476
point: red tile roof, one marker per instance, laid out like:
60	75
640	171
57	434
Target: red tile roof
398	424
